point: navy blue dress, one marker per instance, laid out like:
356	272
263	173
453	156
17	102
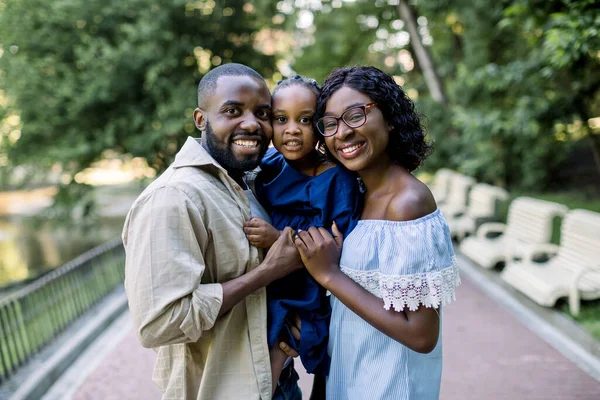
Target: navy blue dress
299	201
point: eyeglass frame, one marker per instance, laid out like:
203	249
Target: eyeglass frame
365	107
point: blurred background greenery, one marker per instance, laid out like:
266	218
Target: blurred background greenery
102	92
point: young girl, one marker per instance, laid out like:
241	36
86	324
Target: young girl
300	189
397	267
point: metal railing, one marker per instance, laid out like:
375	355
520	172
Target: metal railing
34	315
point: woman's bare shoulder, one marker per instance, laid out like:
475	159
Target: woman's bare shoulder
414	201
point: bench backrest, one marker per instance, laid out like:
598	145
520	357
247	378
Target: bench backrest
483	200
460	186
530	220
441	183
580	238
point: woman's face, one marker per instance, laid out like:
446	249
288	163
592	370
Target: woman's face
357	148
293	110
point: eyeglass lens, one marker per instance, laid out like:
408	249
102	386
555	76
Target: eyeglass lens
353	117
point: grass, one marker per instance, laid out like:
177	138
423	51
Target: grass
588	318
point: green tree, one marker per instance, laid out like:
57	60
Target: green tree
87	76
523	80
566	37
521	76
342	37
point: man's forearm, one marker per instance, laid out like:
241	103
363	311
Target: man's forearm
237	289
282	259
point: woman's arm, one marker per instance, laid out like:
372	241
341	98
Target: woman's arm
320	252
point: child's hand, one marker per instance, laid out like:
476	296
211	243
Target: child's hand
260	233
294	322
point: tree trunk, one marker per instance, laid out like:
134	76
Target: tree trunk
423	56
595	143
585	116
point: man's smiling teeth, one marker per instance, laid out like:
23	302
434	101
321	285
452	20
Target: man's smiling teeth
246	143
293	143
350	149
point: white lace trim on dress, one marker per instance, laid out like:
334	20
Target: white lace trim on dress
430	289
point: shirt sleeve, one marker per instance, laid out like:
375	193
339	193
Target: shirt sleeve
164	238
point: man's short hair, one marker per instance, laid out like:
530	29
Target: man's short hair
208	83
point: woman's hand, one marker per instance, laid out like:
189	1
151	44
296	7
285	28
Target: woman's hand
260	233
320	252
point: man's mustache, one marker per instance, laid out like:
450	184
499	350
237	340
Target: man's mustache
258	134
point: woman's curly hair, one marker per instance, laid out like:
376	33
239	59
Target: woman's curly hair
407	146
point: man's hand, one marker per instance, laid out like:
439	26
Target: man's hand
283	257
260	233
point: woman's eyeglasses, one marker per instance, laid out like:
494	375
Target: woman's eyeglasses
354	117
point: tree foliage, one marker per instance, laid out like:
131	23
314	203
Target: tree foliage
522	76
87	76
525	83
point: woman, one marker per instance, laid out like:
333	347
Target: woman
397	267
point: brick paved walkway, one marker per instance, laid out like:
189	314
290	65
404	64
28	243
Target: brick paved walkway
488	354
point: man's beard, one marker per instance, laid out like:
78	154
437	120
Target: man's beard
223	154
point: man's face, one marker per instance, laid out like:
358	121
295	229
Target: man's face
236	122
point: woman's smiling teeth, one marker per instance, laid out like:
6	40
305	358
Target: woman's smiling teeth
350	149
246	143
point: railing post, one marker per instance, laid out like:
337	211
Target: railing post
16	332
4	350
9	348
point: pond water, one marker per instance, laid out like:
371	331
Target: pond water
29	247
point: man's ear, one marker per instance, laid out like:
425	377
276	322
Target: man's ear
200	119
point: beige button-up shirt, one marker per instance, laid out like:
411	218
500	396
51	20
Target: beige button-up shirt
183	236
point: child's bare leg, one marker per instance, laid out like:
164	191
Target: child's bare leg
279	353
278	359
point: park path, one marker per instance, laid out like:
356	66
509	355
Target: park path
488	354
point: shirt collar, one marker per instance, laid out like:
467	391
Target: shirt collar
193	154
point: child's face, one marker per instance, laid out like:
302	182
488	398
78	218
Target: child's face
293	109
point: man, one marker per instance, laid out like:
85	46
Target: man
195	285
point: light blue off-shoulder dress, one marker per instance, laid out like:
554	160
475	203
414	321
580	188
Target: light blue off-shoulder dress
407	264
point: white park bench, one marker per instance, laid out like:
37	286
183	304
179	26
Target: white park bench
529	223
441	184
483	205
573	269
458	195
